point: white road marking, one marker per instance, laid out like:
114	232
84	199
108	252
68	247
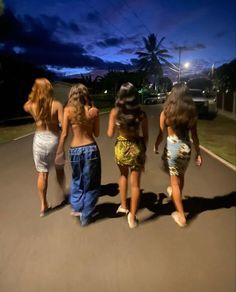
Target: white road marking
18	138
219	158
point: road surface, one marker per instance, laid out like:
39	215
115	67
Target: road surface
55	253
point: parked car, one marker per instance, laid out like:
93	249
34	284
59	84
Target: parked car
158	98
161	97
205	103
150	100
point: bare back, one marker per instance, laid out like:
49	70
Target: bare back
83	134
52	123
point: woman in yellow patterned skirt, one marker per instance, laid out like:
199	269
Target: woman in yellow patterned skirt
128	119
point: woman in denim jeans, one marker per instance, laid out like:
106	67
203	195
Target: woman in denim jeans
83	118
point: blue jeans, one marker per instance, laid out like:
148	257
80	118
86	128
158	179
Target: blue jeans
86	179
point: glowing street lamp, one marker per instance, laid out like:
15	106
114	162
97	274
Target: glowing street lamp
186	65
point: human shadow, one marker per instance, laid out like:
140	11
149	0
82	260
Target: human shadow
105	210
192	205
108	210
60	205
111	190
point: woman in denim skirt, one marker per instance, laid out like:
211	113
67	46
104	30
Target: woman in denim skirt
83	119
178	119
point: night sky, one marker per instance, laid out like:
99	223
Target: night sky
75	36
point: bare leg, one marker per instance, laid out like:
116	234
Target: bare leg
135	193
61	179
177	184
42	184
123	185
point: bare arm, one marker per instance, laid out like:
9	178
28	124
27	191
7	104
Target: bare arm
159	138
64	133
112	123
96	125
195	138
60	113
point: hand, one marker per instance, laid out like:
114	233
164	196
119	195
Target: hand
198	160
60	158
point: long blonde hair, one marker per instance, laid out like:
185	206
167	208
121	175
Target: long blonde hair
78	98
42	95
179	108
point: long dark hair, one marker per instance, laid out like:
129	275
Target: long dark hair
78	98
129	110
179	108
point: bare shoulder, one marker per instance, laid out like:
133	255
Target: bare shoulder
57	104
93	112
114	112
162	116
68	110
28	106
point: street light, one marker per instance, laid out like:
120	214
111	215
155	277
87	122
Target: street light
186	65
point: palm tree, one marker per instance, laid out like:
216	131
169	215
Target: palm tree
151	60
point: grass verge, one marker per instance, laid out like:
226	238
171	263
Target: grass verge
219	136
8	133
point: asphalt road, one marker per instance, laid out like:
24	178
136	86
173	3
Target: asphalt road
55	253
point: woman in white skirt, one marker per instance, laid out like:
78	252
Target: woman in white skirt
48	115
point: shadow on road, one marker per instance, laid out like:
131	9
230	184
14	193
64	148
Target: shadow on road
111	189
192	205
158	204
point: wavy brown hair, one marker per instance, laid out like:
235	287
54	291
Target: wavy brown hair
42	95
179	108
129	110
78	98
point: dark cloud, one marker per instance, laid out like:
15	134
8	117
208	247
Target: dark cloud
35	40
126	51
94	17
56	23
110	42
188	48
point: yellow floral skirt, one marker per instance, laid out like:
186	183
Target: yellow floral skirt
130	152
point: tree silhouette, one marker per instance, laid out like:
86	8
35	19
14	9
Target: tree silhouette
152	58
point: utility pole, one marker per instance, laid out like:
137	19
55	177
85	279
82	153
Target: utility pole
179	73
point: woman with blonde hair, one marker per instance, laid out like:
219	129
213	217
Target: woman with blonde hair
47	114
83	119
178	119
130	122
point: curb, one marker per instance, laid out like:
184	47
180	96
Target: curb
18	138
218	158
